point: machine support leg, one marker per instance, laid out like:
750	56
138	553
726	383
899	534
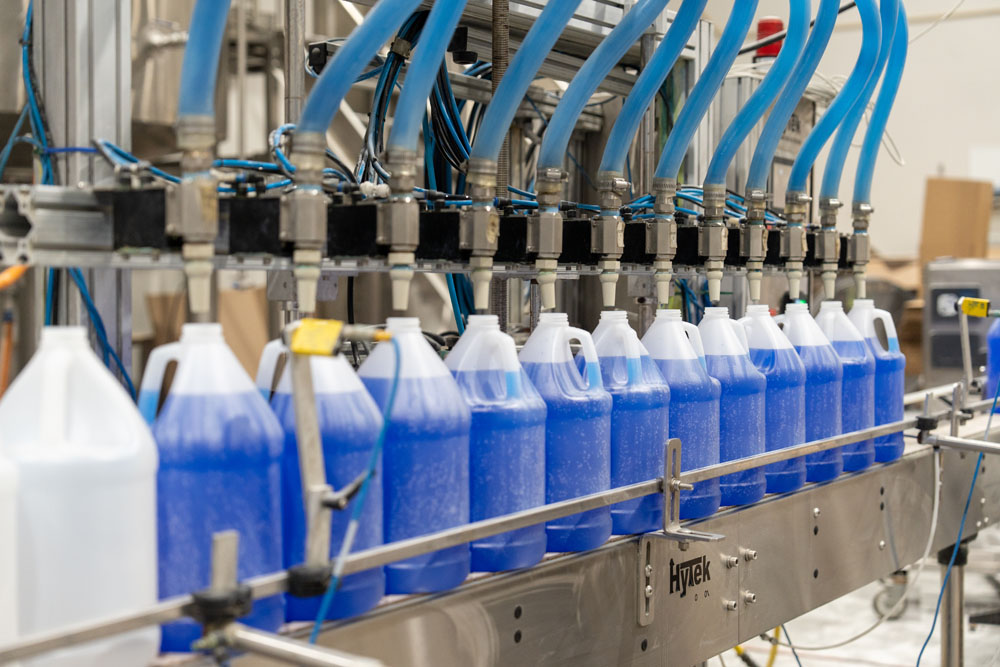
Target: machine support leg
952	607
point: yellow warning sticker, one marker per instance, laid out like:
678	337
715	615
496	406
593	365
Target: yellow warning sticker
316	337
975	307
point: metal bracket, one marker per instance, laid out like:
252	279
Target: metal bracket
646	579
672	487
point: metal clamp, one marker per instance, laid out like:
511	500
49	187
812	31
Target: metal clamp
672	487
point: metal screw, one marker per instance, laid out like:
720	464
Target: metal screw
749	597
979	524
749	555
816	511
732	561
649	570
982	501
881	544
731	605
986	519
649	591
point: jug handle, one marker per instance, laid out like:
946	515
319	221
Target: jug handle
694	336
890	329
739	328
268	365
589	355
633	354
500	344
156	367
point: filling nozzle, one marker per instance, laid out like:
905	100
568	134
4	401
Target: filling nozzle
753	240
303	219
713	238
661	237
193	208
479	228
859	246
828	245
545	229
607	233
793	240
398	224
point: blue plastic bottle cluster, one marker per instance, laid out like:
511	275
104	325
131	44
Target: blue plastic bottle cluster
992	360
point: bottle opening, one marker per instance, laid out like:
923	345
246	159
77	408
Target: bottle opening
864	303
194	333
717	311
614	316
402	324
64	335
553	318
796	308
491	321
759	309
668	314
832	305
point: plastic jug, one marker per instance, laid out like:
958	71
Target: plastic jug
824	388
152	379
506	445
992	361
8	551
890	371
858	403
220	469
86	502
741	405
266	379
425	483
349	424
577	429
639	419
784	402
675	347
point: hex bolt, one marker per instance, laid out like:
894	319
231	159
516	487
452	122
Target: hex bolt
649	591
881	545
816	511
982	501
749	597
749	555
731	605
649	570
731	561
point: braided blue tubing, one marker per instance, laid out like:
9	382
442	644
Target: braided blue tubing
883	107
649	81
704	90
764	96
352	57
837	111
777	121
201	58
888	12
601	60
420	75
514	84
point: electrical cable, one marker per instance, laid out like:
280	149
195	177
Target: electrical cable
941	19
795	653
359	500
961	528
95	318
11	140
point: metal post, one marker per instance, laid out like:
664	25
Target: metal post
952	607
241	75
963	324
501	56
295	59
291	651
500	301
646	142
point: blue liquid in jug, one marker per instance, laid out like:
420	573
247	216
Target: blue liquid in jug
425	484
349	426
694	419
890	371
824	393
784	415
219	470
741	424
639	428
992	362
507	467
577	452
858	405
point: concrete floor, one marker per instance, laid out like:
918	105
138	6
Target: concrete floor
894	643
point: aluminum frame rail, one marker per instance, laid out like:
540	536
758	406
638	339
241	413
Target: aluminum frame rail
272	584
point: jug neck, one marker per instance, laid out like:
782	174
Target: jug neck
863	304
716	313
64	337
614	316
403	325
831	307
668	315
554	319
758	310
797	309
201	333
483	323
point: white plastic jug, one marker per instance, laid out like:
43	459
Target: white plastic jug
86	463
8	551
267	367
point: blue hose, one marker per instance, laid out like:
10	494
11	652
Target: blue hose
888	12
420	75
837	111
706	87
589	77
201	58
514	84
883	106
350	60
649	81
777	121
764	96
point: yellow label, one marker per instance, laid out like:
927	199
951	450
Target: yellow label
975	307
316	337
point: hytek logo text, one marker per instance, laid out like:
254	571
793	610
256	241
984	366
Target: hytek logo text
689	573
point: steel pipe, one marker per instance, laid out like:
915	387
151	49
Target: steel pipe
290	650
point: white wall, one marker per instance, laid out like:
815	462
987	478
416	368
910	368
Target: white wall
948	107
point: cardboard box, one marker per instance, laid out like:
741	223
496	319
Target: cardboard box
956	219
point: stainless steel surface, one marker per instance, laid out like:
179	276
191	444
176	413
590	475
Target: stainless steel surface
291	651
953	617
501	57
646	148
962	444
295	59
225	561
963	332
241	76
